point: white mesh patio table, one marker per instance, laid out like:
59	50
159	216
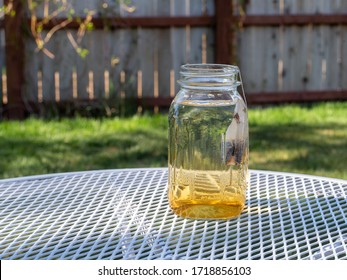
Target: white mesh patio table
124	214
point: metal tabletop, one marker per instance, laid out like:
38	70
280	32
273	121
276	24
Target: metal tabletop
124	214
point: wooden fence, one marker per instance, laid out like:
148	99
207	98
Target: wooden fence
294	51
288	50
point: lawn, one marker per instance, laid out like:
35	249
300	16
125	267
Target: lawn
304	139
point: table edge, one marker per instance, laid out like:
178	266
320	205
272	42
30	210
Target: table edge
268	172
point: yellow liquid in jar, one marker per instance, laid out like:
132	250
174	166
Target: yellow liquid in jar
208	175
206	194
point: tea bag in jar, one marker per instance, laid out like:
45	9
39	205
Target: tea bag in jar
237	135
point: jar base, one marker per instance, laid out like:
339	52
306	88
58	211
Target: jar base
209	211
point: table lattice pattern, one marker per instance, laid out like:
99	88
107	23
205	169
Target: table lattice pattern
124	214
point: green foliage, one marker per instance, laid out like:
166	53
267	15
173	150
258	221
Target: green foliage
70	13
89	26
82	52
64	8
7	10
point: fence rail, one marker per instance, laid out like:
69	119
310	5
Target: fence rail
288	51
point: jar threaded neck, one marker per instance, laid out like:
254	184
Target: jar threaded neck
209	76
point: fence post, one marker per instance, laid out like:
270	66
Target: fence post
14	59
223	13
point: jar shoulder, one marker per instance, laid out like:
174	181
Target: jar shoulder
206	98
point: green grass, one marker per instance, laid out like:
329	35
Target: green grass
311	140
37	146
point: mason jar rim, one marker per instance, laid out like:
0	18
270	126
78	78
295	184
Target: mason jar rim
208	69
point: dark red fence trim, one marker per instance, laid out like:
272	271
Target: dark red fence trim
299	96
258	98
221	21
134	22
276	20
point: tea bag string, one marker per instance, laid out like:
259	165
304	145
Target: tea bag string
243	91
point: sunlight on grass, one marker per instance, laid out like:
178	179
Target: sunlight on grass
309	140
303	139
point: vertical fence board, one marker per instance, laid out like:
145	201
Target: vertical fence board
208	7
196	7
179	7
195	55
147	48
164	53
254	7
343	67
118	56
270	71
333	57
266	70
142	8
290	58
210	45
178	41
163	8
308	6
32	67
107	61
48	69
302	49
115	60
323	56
164	62
260	54
64	56
82	71
97	49
123	59
258	50
316	58
197	45
342	8
132	61
305	54
251	59
94	55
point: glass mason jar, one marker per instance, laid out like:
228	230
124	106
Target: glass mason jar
208	144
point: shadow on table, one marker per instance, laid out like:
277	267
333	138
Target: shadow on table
307	228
